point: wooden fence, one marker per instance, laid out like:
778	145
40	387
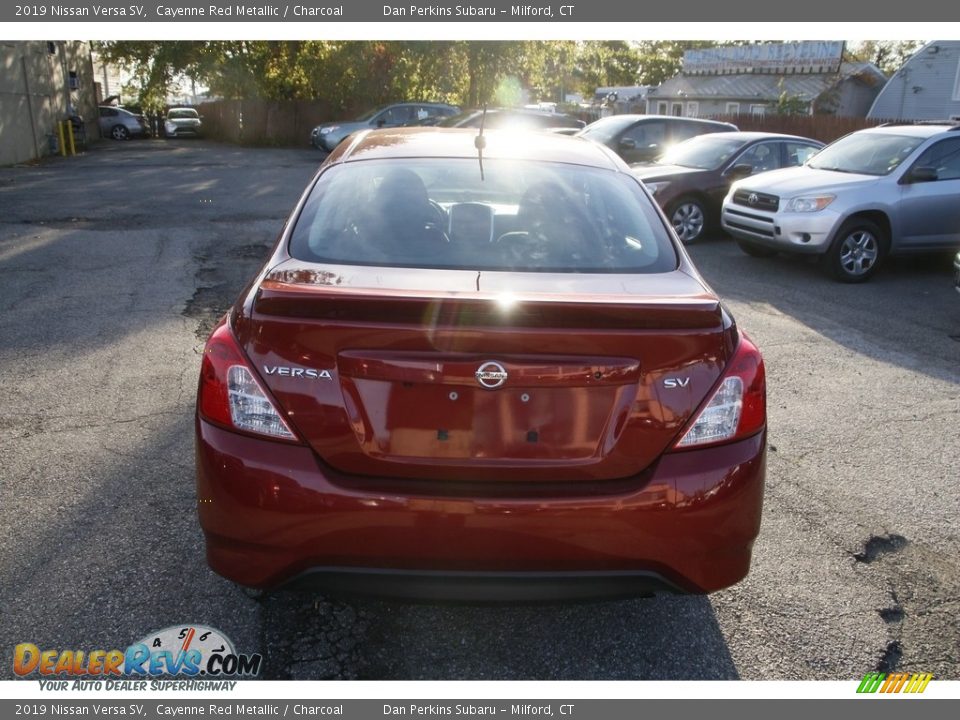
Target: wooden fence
289	122
262	122
825	128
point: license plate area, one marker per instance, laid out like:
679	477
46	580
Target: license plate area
426	420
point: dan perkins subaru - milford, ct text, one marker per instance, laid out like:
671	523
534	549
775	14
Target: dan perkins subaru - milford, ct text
431	11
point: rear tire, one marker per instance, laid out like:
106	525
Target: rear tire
856	252
757	251
119	132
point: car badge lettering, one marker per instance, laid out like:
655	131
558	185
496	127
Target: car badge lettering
491	375
297	372
673	383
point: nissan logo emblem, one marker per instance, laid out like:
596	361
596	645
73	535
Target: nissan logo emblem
753	198
491	375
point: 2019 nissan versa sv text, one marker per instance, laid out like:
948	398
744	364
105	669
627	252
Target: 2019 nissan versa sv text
480	377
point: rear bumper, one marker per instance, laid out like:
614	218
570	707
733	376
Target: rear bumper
272	513
482	586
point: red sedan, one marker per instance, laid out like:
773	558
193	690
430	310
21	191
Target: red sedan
480	368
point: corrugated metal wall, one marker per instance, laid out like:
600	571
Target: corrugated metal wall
925	88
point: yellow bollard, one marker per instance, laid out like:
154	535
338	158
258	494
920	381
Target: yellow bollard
73	148
63	146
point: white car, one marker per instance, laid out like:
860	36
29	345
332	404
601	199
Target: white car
870	194
182	121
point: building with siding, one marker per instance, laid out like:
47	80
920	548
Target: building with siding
750	80
927	87
42	83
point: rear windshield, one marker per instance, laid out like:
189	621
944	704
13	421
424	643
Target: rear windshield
605	129
506	120
704	152
180	114
523	216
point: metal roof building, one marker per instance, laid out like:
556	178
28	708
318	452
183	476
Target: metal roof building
743	82
927	87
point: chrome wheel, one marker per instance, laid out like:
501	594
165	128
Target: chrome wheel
687	219
859	252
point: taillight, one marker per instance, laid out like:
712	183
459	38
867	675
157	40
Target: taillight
230	394
738	406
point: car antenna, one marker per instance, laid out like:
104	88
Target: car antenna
480	142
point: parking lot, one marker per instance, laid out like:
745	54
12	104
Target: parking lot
113	268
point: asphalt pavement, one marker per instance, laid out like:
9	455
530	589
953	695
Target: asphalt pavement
115	264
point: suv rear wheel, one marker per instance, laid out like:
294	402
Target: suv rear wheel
856	252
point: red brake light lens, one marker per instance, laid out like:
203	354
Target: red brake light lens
231	396
738	407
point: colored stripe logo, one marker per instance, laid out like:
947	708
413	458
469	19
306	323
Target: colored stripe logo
894	682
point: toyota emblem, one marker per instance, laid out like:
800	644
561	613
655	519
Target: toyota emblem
753	198
491	375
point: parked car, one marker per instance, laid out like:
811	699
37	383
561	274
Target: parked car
182	121
496	379
516	119
870	194
328	136
691	179
121	124
643	138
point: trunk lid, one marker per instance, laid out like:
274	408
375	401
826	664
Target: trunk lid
484	376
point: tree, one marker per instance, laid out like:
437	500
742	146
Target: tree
888	55
605	63
788	104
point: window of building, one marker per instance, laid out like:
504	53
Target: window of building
661	108
733	108
758	110
677	110
693	109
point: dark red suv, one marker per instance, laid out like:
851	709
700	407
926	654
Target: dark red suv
480	377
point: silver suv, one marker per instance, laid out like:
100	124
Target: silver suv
870	194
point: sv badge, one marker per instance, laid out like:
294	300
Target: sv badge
672	383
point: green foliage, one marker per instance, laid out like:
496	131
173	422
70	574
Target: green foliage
352	76
605	63
888	55
660	60
788	104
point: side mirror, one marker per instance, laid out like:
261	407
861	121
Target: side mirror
922	174
628	143
740	170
